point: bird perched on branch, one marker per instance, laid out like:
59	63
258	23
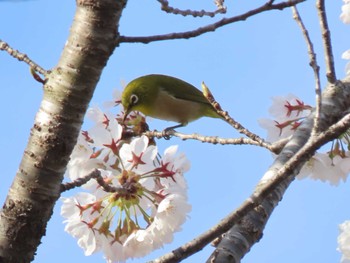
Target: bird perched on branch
166	98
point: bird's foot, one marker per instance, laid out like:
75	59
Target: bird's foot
167	133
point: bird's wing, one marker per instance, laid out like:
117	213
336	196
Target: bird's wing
182	90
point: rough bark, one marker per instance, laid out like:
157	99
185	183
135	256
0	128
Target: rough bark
67	92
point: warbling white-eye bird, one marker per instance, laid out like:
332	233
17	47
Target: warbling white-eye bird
166	98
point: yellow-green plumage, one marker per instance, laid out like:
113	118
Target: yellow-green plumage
167	98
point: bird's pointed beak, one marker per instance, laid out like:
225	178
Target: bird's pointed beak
126	113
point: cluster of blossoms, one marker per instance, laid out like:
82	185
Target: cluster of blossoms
288	113
148	200
332	166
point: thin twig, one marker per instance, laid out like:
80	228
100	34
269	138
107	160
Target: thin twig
224	114
95	174
313	65
167	8
211	139
80	181
258	196
22	57
211	27
327	43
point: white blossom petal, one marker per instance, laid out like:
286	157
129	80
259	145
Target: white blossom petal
344	241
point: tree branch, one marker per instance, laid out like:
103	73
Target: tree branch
225	116
211	27
95	174
327	43
22	57
209	139
313	65
221	9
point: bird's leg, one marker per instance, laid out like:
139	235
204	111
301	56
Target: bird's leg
167	132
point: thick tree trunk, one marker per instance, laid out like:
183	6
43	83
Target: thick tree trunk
67	92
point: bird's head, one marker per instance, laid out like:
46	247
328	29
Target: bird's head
139	95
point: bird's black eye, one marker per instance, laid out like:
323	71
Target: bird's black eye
133	99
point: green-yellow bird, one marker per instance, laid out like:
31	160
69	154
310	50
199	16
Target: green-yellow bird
166	98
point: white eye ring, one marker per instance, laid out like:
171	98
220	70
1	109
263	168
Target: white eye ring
133	99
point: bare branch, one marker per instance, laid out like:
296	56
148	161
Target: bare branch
80	181
211	27
22	57
224	114
327	43
313	65
221	9
209	139
95	174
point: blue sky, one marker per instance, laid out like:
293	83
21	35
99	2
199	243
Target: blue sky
244	64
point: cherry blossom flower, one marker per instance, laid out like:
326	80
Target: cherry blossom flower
344	241
140	152
326	169
345	14
288	113
81	162
77	223
346	55
117	97
147	199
